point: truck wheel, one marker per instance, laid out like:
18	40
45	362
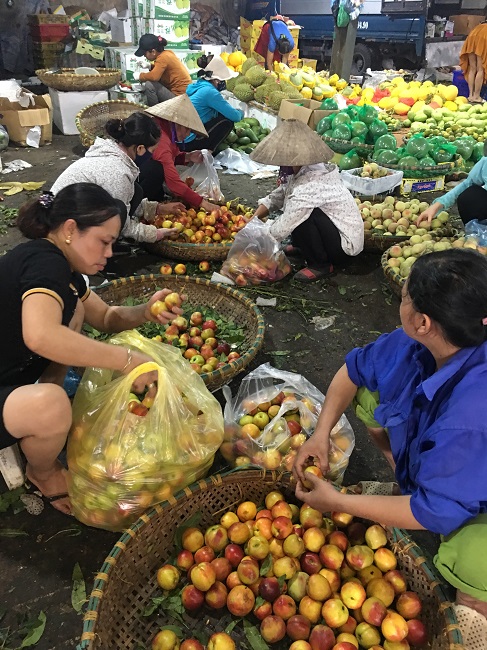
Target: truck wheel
362	59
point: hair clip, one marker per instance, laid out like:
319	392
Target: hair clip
46	199
484	321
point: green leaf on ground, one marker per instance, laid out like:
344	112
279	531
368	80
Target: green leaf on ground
12	499
78	592
342	290
35	632
253	636
13	532
279	353
174	628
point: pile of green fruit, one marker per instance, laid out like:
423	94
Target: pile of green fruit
359	125
468	120
244	136
393	124
418	153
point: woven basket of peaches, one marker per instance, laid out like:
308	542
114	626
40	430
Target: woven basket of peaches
202	235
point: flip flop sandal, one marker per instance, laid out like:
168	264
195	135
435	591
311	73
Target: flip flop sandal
377	488
311	275
34	500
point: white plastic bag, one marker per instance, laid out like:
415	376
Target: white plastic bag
370	186
206	181
298	404
4	139
238	162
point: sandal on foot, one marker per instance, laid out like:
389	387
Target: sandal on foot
377	488
311	275
33	490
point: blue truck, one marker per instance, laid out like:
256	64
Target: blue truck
388	30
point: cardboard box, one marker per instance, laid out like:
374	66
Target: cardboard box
121	29
176	32
160	9
67	105
305	110
124	59
310	63
18	121
464	23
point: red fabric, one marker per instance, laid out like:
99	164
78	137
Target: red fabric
262	44
168	154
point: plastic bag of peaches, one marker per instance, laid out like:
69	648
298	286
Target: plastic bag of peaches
272	415
255	257
127	452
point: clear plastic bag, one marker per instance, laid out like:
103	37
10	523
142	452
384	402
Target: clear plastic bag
255	256
4	139
121	463
287	416
206	182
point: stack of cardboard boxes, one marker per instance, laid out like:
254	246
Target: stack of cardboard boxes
166	18
249	35
48	32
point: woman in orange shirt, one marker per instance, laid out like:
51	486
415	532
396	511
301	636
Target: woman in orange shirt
473	61
168	76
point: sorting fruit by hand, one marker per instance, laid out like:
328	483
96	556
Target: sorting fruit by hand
201	227
310	581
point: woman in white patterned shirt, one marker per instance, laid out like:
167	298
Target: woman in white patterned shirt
317	209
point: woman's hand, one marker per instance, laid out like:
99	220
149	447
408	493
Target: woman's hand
165	316
322	496
147	378
194	157
206	205
316	448
163	233
429	214
170	208
261	212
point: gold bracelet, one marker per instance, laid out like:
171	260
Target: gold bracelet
129	360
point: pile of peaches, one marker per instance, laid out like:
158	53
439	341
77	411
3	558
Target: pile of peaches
269	434
201	227
196	337
314	583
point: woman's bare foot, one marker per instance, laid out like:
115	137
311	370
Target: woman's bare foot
51	485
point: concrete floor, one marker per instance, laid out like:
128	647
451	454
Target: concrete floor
36	569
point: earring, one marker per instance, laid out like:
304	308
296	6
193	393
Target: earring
68	241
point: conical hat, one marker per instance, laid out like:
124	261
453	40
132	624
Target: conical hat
292	144
219	69
179	110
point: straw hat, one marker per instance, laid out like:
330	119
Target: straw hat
179	110
292	144
219	70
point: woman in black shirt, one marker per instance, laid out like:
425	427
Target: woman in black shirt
45	302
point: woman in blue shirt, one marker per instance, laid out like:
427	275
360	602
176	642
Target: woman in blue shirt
424	389
470	196
215	112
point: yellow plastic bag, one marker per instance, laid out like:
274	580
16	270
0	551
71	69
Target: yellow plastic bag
121	463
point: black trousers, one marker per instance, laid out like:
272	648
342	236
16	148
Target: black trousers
151	180
218	128
472	204
320	242
136	199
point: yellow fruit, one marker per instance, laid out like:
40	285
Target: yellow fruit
438	100
401	109
306	92
328	91
224	56
386	103
451	106
461	100
236	58
341	84
448	93
333	80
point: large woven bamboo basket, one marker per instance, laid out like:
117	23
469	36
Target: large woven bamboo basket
227	302
176	250
375	243
67	80
127	580
91	120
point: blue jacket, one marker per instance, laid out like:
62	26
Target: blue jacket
437	424
209	103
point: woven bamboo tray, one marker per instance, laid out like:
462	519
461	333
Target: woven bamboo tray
227	302
374	243
66	80
91	120
344	146
127	580
176	250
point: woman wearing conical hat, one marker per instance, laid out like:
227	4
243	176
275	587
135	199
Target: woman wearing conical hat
318	211
177	119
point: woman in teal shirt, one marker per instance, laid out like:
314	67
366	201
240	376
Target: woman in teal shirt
215	112
470	196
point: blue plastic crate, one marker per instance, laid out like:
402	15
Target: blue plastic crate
460	82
